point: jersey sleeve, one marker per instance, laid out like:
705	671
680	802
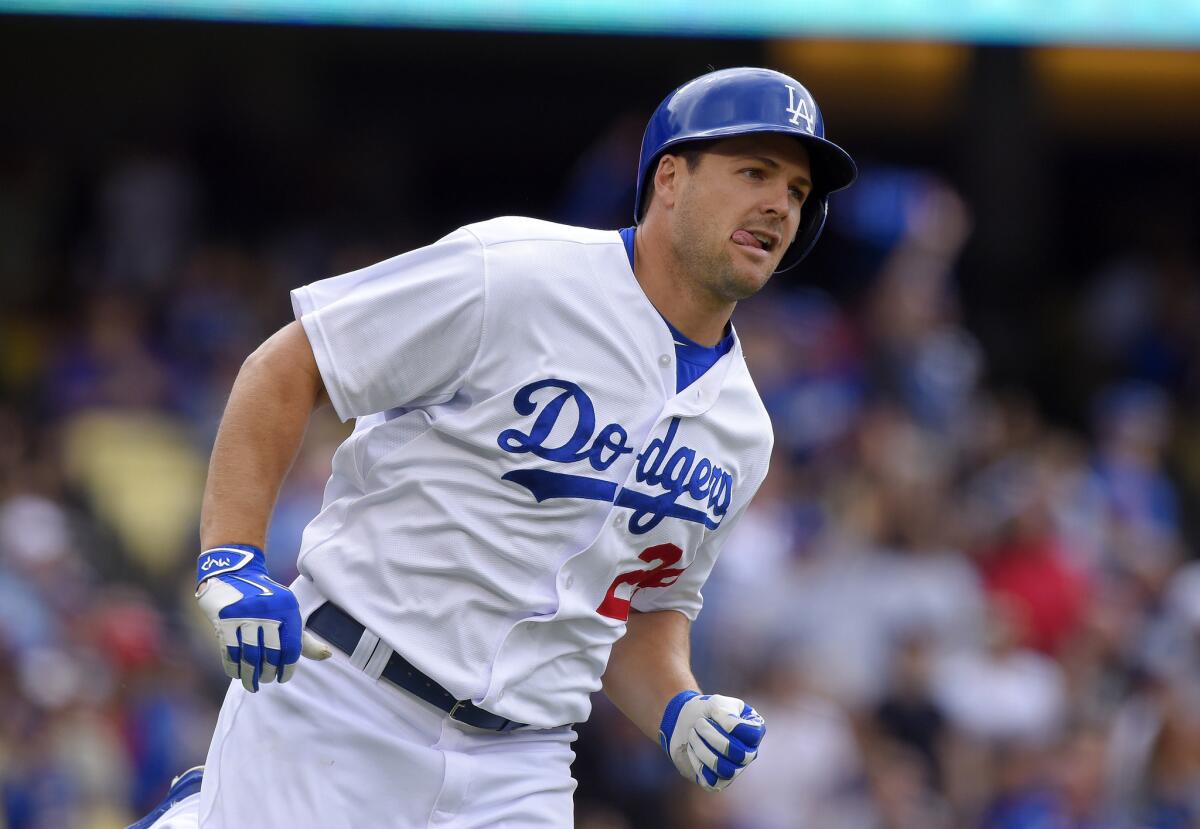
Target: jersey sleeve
684	594
400	332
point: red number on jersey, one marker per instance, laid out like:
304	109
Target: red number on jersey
661	575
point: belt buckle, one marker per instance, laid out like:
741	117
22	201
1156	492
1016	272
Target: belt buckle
459	703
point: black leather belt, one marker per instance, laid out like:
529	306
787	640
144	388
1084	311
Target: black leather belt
339	628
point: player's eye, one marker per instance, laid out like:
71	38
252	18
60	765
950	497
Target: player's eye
798	194
753	172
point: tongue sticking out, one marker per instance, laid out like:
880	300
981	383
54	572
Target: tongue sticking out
745	237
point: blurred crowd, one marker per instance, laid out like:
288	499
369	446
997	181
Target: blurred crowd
951	611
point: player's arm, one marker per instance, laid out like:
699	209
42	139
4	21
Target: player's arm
648	666
710	738
275	392
257	620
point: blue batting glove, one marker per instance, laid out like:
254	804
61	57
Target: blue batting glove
257	620
710	738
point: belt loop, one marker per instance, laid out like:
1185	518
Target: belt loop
378	661
365	649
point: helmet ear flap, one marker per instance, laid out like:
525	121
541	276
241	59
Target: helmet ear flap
812	222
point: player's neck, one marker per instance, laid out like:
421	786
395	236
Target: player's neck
697	315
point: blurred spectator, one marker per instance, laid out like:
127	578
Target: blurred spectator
908	714
599	191
146	215
921	358
618	767
1013	507
808	367
1130	500
109	364
897	795
1003	694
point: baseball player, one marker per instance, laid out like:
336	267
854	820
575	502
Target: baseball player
555	432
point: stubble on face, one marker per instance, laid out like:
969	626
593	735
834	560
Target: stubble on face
704	257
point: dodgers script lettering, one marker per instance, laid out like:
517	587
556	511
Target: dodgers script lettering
671	472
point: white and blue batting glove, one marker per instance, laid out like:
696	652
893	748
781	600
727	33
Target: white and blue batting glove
710	738
257	620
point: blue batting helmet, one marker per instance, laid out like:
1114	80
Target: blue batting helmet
742	101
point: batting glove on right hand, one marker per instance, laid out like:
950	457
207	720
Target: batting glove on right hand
710	738
257	620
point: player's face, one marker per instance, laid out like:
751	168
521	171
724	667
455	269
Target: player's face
738	212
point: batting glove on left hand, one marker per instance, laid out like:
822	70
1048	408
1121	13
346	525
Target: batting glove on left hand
257	619
710	738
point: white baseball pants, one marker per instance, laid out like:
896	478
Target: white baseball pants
335	749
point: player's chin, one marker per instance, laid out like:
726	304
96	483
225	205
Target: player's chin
748	278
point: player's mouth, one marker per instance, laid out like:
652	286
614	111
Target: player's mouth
757	240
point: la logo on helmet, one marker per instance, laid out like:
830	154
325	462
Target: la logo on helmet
799	109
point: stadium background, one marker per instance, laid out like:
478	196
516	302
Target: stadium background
967	595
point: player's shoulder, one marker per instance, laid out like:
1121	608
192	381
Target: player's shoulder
753	413
510	229
757	416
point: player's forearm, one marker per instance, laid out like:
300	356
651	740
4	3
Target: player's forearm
649	666
262	428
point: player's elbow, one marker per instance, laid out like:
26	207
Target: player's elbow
286	361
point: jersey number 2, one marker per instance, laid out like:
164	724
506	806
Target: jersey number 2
662	574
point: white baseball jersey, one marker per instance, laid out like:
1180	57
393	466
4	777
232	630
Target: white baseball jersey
522	471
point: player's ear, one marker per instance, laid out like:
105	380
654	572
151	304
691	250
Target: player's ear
666	179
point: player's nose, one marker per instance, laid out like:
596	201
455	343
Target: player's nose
777	200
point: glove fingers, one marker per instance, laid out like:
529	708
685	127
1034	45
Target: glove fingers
272	654
716	738
712	739
269	670
723	744
250	637
696	766
705	777
231	660
723	766
288	642
722	782
737	720
291	650
230	646
751	728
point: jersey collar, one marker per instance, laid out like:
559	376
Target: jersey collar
700	396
